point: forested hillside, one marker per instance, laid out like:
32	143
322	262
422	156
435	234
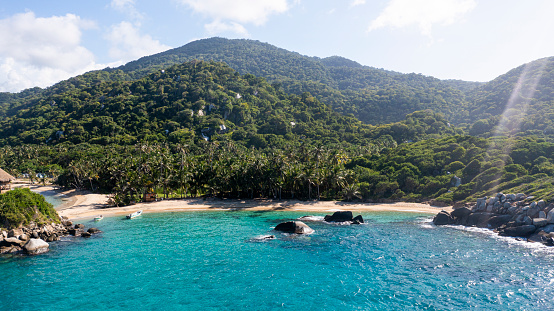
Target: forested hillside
194	101
374	96
297	128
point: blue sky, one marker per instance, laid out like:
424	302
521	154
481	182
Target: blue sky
43	42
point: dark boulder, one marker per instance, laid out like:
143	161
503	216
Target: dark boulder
75	232
497	221
93	230
86	234
79	226
480	220
294	227
358	220
460	212
442	218
519	231
340	216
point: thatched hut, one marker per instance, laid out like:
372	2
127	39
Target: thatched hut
5	180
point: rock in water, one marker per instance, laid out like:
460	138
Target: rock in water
340	216
522	231
36	246
294	227
442	218
344	216
93	230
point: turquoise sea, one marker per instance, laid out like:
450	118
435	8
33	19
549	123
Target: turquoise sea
211	261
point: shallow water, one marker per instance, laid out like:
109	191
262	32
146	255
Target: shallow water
212	261
52	196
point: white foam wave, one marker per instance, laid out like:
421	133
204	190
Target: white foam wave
535	247
311	218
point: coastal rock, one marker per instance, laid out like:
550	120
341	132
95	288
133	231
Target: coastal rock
519	231
550	216
520	196
86	234
12	242
11	249
541	204
53	237
23	237
527	220
15	233
479	219
540	222
480	205
79	226
542	214
340	216
294	227
36	246
442	218
548	228
460	212
75	232
497	221
344	216
93	230
533	211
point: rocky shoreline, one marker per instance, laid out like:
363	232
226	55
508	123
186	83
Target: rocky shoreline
33	239
514	215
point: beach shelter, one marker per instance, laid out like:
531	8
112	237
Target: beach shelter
5	180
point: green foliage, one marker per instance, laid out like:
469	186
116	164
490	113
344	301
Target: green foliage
21	206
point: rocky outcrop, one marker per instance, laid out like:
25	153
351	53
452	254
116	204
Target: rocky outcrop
344	216
294	227
515	215
16	240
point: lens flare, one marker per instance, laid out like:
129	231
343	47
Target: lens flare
503	140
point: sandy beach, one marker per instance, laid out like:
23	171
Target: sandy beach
82	205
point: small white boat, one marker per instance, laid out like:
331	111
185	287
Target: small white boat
135	214
98	218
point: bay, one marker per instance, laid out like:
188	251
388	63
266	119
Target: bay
212	261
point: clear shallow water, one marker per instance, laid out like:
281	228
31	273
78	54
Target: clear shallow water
53	197
208	261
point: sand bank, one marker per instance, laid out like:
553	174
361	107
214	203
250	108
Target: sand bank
83	204
88	205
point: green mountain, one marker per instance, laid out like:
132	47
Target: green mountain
189	102
374	96
520	102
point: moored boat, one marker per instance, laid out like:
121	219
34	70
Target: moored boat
98	218
135	214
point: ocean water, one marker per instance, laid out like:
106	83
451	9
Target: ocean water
212	261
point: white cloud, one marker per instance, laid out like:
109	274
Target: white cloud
36	51
128	44
127	7
219	27
231	15
423	13
357	2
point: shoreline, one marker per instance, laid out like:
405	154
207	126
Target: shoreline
84	204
